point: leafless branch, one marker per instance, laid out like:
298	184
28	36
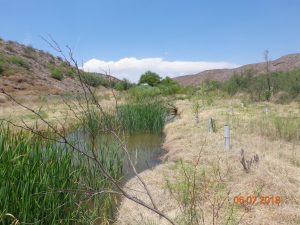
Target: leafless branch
90	99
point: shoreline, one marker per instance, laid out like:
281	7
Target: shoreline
184	140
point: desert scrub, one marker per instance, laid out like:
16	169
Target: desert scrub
95	80
42	183
29	52
142	116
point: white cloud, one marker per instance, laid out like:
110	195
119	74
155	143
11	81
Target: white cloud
132	68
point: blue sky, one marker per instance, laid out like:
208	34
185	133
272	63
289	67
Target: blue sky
127	34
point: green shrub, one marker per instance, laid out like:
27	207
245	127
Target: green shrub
257	86
96	80
19	62
57	73
142	92
150	78
70	72
169	87
123	85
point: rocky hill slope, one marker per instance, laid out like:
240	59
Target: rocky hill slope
285	63
27	72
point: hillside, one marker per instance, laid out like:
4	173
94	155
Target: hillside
27	72
285	63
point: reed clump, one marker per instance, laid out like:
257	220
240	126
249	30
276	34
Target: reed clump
46	183
142	116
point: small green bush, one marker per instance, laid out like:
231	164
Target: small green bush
123	85
96	80
150	78
169	87
19	62
70	72
57	73
142	92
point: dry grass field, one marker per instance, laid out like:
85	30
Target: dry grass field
198	179
53	109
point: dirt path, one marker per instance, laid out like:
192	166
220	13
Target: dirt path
276	174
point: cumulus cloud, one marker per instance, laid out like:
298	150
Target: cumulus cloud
132	68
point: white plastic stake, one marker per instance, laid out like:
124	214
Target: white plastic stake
266	110
210	128
227	137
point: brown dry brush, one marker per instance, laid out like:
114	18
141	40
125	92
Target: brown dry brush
202	195
86	106
247	164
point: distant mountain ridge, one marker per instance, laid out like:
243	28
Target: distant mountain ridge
284	63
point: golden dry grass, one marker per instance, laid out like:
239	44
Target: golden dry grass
54	110
274	175
277	173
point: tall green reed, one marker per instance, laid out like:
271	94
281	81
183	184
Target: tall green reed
41	184
142	116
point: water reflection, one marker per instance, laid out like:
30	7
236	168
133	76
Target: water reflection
144	149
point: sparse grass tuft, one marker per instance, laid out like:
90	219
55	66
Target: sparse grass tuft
29	52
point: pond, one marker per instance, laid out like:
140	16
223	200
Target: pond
145	152
144	149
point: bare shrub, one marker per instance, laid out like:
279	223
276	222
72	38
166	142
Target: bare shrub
248	163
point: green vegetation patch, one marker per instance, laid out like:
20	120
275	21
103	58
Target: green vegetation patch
257	86
19	62
142	92
11	64
45	183
93	80
57	73
143	117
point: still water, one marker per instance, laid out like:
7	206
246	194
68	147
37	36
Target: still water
144	149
